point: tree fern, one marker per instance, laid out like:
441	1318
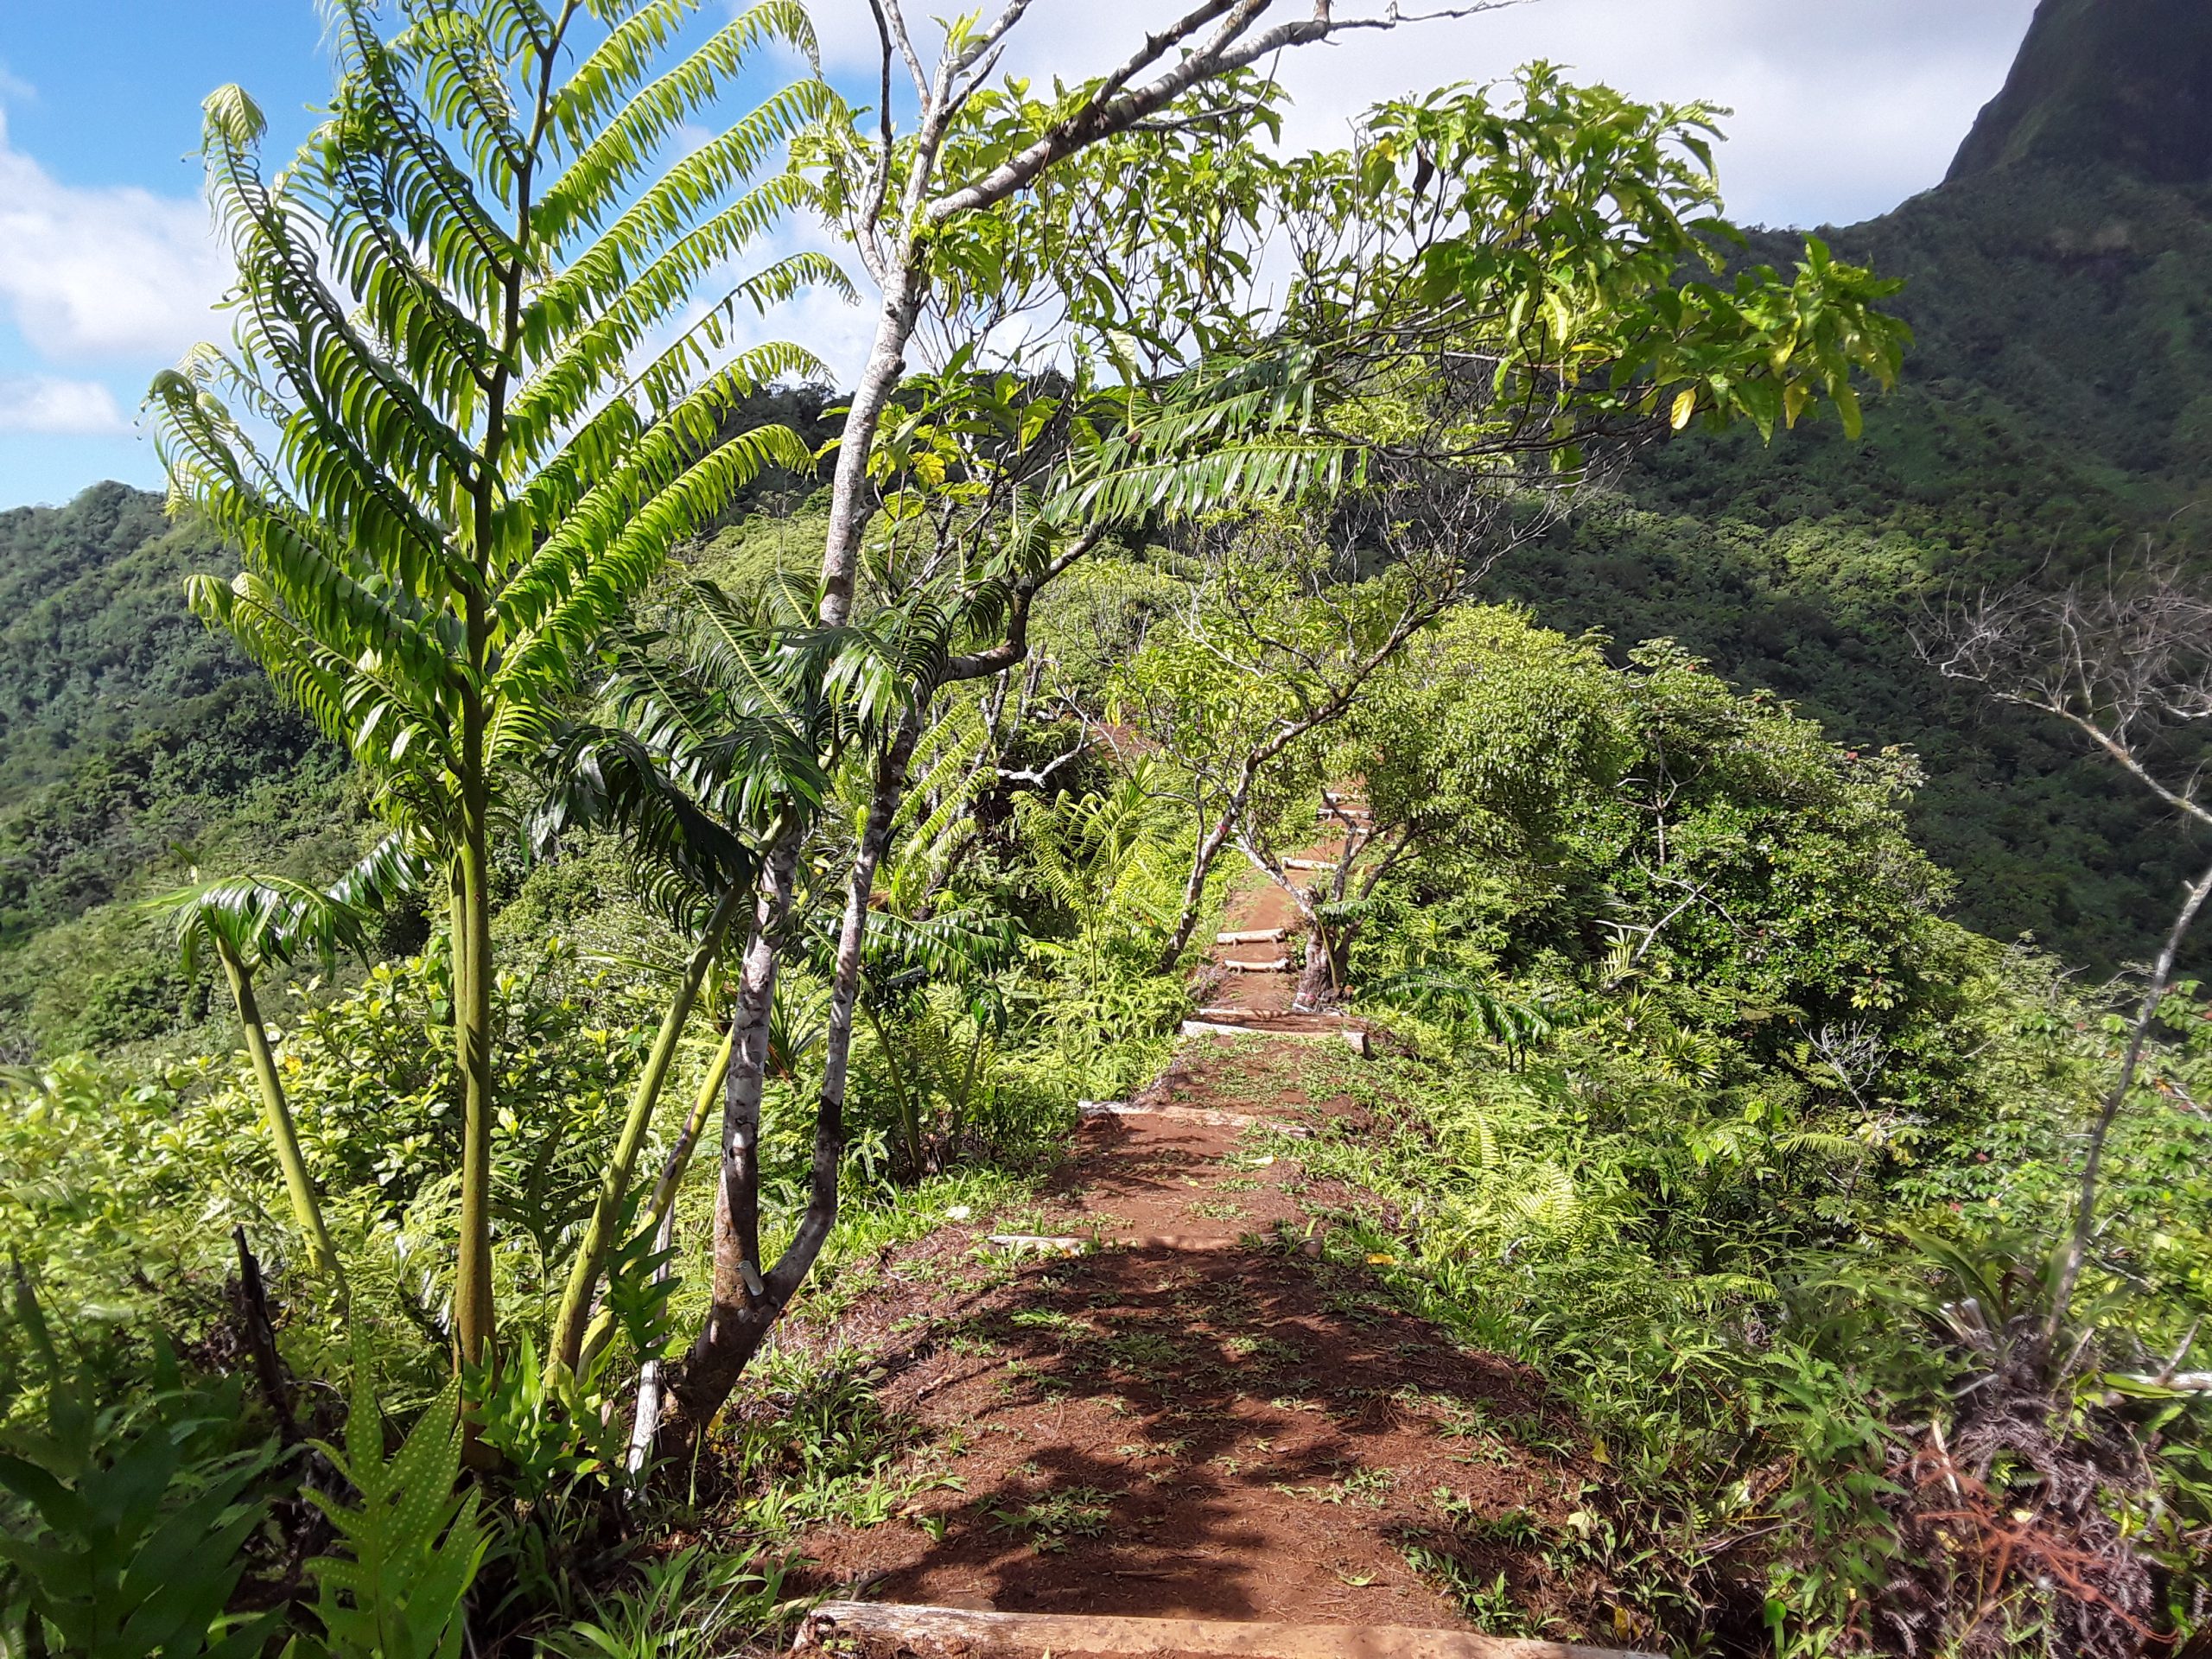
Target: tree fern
1093	853
954	765
472	399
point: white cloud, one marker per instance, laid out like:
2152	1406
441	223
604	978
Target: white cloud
1842	107
103	274
48	403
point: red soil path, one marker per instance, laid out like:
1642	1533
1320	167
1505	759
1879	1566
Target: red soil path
1233	1425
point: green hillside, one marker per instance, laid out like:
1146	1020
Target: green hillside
95	647
2056	412
134	744
1037	1005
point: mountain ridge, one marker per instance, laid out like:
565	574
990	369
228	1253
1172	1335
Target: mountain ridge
2125	85
2054	413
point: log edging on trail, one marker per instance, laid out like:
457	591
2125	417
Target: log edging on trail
1353	1038
1093	1111
945	1630
1083	1243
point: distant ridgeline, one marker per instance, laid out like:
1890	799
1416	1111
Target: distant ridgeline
133	744
2057	412
116	703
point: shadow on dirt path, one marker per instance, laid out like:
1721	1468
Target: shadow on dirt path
1235	1427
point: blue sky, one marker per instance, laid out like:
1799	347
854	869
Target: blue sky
1843	108
101	104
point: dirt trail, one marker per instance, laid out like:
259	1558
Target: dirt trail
1204	1413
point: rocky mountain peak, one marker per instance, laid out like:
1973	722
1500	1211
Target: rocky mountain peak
2121	83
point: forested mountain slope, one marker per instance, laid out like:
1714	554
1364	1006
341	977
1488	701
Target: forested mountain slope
95	645
2123	79
2056	412
134	744
653	1066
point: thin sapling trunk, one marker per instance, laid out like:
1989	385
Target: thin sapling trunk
903	1100
696	1389
735	1328
475	1316
277	1113
1203	858
737	1203
646	1421
567	1346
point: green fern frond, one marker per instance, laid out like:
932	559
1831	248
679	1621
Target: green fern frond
438	309
412	1542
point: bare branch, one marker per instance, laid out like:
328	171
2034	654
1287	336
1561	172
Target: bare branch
865	227
1038	778
2085	1209
976	665
1115	106
890	19
2127	663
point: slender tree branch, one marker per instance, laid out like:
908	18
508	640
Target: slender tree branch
2085	1203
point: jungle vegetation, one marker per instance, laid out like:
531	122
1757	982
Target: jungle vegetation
622	833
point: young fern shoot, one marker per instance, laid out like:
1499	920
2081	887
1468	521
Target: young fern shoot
250	924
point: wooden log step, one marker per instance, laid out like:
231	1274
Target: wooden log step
1274	965
1186	1243
1351	1036
1083	1243
1256	1015
1214	1028
942	1633
1095	1110
1251	936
